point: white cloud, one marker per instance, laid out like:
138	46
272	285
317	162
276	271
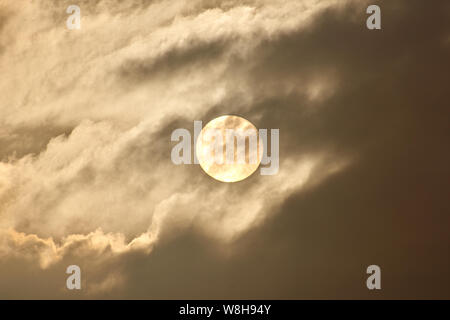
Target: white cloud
103	189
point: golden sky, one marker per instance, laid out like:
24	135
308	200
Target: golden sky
86	176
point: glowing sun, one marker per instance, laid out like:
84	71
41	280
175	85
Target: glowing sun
229	148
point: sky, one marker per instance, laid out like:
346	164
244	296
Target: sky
86	176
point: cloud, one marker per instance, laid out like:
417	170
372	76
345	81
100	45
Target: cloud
85	170
89	176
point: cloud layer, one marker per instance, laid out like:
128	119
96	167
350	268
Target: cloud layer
85	120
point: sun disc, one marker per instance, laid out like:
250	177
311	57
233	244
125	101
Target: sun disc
229	148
